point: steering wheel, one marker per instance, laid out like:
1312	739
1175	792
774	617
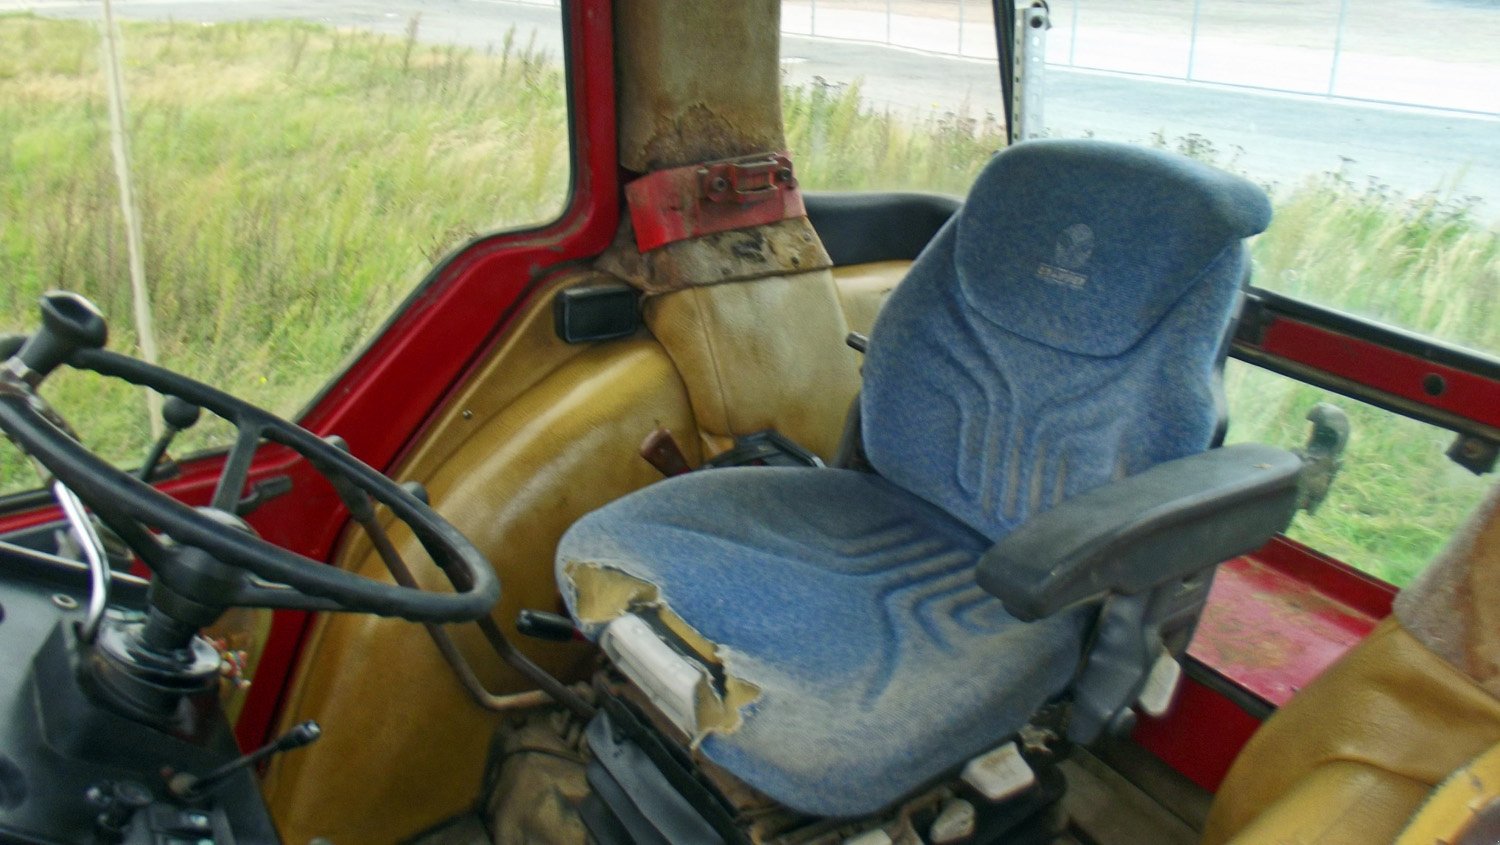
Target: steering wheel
73	332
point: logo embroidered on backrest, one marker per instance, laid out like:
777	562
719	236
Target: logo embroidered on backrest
1074	247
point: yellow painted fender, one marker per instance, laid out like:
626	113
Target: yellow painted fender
1462	810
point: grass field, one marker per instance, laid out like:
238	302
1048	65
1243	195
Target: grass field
295	181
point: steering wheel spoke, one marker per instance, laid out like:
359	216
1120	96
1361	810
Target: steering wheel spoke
282	597
236	471
145	544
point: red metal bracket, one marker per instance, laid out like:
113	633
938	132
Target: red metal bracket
688	202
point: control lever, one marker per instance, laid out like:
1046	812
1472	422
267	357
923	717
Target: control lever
179	415
187	787
69	323
660	450
1322	457
362	509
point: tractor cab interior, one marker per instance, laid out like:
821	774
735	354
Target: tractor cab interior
764	516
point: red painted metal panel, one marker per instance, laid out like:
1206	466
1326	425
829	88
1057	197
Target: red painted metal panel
1337	580
1398	373
1200	736
1270	633
1275	620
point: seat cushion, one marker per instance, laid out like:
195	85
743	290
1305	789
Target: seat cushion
849	604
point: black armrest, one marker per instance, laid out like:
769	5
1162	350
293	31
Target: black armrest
1165	523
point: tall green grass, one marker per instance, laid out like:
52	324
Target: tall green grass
1424	263
296	180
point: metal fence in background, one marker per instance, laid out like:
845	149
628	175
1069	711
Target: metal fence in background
1433	53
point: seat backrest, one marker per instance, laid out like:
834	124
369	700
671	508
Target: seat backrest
1063	329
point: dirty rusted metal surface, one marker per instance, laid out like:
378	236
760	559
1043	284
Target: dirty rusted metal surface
783	248
1271	631
716	196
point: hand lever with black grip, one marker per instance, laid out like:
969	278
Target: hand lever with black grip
187	787
69	323
179	415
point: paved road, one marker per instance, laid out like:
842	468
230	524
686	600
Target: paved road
1283	137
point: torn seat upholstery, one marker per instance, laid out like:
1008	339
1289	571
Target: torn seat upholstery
1064	331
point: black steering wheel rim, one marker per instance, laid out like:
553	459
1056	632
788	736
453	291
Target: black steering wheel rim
110	490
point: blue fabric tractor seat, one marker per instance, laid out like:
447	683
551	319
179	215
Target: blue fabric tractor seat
856	635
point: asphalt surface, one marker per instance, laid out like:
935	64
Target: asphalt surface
1274	137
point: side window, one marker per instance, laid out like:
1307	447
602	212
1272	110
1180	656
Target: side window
293	178
1373	126
1397	498
1372	123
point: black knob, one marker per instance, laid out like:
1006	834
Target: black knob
69	323
179	414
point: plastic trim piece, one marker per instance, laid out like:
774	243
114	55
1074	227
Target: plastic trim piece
592	313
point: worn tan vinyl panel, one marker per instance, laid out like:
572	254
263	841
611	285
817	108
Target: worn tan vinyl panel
403	745
1352	755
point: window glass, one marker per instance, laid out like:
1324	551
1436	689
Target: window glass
295	174
890	96
1375	124
1397	497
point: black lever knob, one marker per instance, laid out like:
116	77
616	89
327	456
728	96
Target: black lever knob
69	323
541	625
179	414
